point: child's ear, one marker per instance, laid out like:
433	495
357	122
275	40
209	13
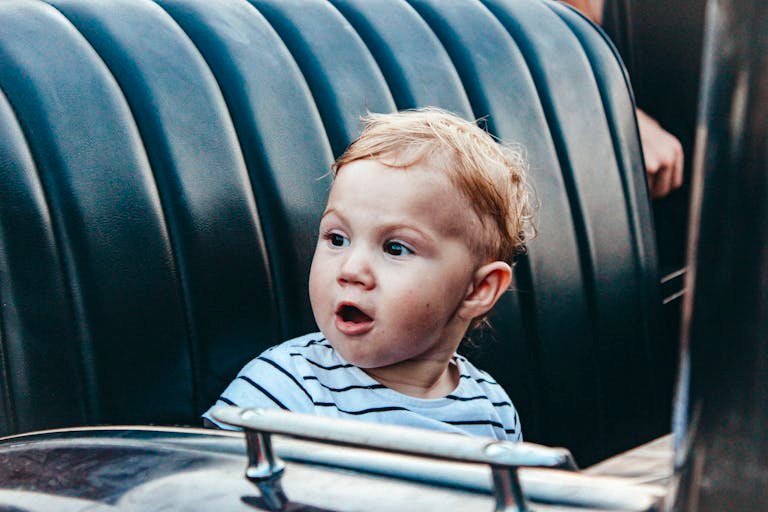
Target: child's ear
490	281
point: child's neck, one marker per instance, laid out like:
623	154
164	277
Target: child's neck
420	379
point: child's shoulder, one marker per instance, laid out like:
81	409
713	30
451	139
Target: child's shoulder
292	355
312	339
307	344
473	376
313	347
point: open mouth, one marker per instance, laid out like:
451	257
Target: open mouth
353	315
352	321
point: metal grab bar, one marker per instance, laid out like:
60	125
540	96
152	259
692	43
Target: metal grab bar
503	457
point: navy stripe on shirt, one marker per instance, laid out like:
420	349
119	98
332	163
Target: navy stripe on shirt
316	404
479	380
479	397
316	342
227	401
467	398
475	422
346	388
334	367
287	374
264	392
364	411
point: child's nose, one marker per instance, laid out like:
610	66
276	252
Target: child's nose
356	269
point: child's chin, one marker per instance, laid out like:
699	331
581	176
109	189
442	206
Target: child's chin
366	365
362	361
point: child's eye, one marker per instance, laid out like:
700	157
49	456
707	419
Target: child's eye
396	249
336	239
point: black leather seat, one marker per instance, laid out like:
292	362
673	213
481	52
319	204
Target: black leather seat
163	165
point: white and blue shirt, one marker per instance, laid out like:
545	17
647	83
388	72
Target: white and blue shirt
307	375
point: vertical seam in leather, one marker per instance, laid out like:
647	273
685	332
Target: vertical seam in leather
177	262
586	263
5	381
376	57
193	340
640	256
194	353
8	409
89	407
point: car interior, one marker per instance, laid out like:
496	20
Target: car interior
164	164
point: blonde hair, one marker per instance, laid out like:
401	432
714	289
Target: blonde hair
490	175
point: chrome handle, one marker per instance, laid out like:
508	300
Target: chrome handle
502	456
408	440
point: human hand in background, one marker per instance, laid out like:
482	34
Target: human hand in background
663	156
592	9
663	152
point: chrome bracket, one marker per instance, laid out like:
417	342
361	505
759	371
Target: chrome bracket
507	490
265	469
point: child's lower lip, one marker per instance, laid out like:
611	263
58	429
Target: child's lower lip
352	328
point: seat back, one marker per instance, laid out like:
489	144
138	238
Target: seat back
163	166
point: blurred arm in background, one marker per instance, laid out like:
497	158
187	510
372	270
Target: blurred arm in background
663	152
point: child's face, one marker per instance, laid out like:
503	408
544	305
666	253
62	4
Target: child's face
392	265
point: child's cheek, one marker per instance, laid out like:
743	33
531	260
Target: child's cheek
419	310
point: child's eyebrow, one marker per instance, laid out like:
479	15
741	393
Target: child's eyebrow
384	227
399	225
332	211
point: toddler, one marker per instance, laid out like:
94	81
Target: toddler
416	243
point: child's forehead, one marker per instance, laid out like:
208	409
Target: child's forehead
420	181
428	189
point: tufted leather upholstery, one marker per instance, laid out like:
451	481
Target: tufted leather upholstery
163	166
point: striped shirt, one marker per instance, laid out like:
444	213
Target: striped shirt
307	375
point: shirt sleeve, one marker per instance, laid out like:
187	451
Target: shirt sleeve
505	410
268	381
512	425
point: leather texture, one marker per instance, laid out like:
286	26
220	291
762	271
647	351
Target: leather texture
163	166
